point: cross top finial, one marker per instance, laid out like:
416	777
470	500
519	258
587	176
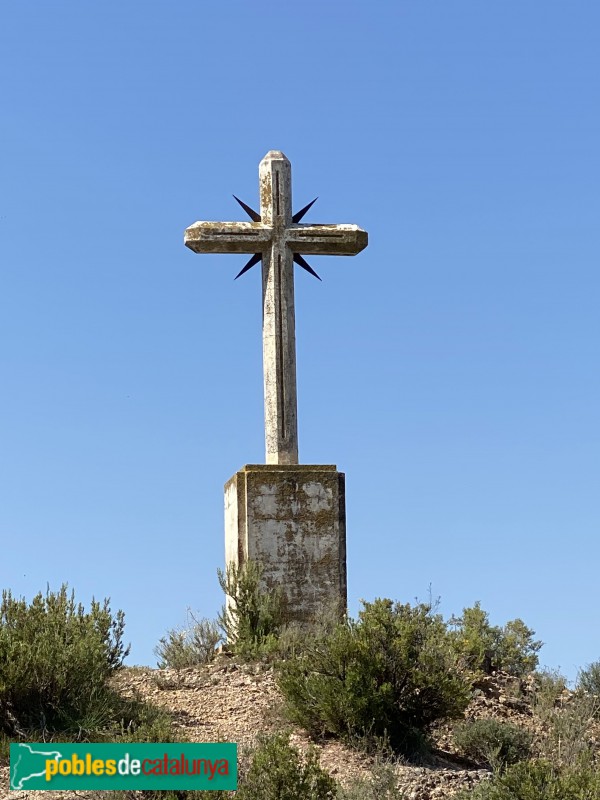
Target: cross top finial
276	237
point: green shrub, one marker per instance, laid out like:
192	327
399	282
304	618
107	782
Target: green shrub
496	743
546	692
588	681
568	728
382	784
539	780
279	771
111	718
190	646
161	794
55	662
134	720
567	718
484	647
387	675
253	617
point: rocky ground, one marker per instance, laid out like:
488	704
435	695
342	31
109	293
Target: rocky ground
228	701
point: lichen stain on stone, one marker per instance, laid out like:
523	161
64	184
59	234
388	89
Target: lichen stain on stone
289	536
324	520
266	193
293	522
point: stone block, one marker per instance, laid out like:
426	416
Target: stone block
291	519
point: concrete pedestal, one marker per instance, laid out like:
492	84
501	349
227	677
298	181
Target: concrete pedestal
291	519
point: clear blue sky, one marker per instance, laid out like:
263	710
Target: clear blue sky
450	370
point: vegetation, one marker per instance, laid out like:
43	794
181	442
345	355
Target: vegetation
381	682
568	728
547	691
566	717
56	661
280	772
588	681
252	619
277	771
388	675
483	647
188	647
381	785
492	742
539	780
161	794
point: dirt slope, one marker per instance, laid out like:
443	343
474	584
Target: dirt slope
235	702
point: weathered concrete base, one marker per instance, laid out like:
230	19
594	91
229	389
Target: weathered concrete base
291	519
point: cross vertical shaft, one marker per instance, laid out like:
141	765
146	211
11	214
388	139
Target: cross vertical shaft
279	327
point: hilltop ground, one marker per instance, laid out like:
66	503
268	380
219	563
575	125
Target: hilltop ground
231	701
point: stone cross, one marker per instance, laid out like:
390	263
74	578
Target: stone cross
275	237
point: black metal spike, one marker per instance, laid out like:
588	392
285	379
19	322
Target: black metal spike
254	215
304	264
254	260
299	214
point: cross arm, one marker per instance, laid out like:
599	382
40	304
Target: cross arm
227	237
325	240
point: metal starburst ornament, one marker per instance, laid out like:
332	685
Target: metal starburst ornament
257	257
